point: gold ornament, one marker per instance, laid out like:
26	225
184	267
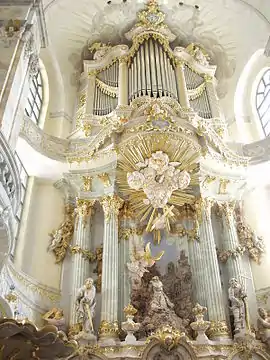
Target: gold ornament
104	177
62	237
130	310
168	337
87	183
218	329
83	210
111	205
108	329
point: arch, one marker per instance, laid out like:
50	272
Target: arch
256	355
182	351
245	110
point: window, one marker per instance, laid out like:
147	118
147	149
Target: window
24	179
263	102
35	97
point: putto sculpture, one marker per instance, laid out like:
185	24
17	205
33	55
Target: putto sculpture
55	317
237	297
85	307
264	326
158	178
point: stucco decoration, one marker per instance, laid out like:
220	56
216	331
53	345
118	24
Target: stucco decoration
27	342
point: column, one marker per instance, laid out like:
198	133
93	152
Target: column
127	231
109	294
212	96
197	268
90	93
81	241
234	262
212	281
123	82
181	85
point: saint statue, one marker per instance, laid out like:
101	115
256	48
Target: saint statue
160	309
264	325
85	305
160	300
237	298
55	317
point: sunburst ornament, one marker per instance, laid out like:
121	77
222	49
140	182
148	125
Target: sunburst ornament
156	175
158	178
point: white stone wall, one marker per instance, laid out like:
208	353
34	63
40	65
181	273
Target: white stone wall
42	213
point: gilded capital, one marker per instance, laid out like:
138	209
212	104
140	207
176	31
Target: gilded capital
207	206
228	210
111	205
84	209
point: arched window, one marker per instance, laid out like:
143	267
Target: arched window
35	98
263	102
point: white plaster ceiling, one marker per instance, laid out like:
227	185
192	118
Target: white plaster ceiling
230	30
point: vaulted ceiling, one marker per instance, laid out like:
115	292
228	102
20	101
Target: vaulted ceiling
230	30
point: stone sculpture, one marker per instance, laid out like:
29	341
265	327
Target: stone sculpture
85	306
141	260
200	326
160	309
237	298
55	317
158	178
264	326
177	284
129	326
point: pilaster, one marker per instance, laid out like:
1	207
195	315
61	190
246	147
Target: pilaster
181	85
90	93
123	82
212	96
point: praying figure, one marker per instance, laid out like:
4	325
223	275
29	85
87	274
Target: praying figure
86	305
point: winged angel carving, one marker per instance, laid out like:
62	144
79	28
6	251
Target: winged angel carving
140	261
158	178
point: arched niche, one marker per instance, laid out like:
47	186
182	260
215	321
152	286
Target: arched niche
5	309
90	356
256	355
154	351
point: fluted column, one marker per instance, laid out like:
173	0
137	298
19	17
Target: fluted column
234	262
123	82
181	85
90	93
126	234
81	241
109	293
212	96
213	288
197	268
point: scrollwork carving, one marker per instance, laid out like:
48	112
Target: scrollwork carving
62	237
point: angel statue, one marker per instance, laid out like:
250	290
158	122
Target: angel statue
264	326
140	261
86	305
